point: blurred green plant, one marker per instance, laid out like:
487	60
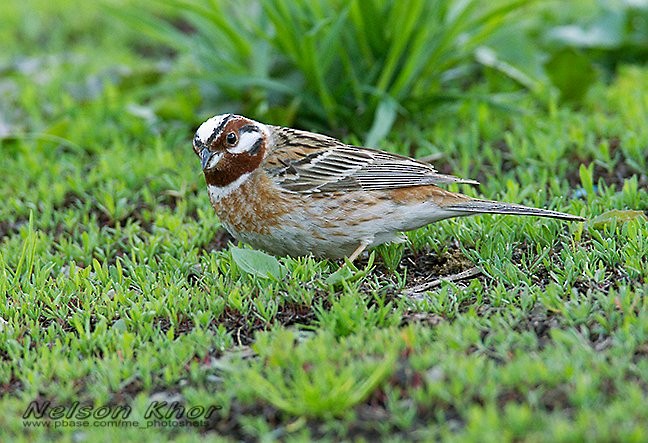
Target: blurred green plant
615	32
569	45
354	65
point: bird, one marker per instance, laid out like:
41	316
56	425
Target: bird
291	192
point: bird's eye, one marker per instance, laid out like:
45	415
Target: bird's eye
231	139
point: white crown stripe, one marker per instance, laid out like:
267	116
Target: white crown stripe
206	130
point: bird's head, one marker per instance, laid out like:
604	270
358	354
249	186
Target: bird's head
229	147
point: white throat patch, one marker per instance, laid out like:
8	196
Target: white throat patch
216	193
214	161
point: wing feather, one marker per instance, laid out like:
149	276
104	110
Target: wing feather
305	162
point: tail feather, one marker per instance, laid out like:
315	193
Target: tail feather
493	207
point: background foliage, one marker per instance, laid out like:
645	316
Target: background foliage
357	66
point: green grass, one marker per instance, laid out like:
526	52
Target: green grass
115	287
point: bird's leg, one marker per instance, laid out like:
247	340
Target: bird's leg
361	247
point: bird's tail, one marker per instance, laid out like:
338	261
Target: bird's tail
476	206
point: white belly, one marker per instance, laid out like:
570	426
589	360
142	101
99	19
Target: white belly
335	229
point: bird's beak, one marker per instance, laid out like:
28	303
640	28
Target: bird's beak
205	156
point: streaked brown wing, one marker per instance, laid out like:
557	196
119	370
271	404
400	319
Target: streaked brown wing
290	145
310	163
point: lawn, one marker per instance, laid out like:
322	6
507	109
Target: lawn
127	313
